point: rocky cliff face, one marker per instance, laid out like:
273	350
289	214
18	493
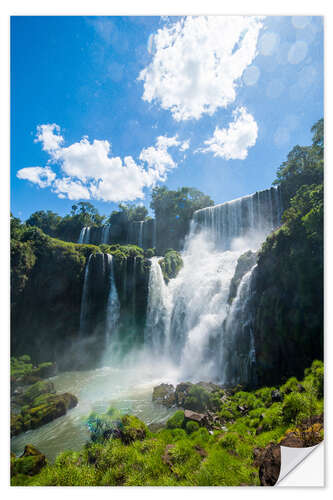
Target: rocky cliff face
47	295
287	305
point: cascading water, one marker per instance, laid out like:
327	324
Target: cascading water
158	310
190	320
106	234
113	305
85	297
84	235
140	237
238	355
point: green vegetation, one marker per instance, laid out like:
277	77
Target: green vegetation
173	212
288	306
171	264
126	453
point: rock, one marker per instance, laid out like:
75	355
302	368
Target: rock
209	386
243	409
164	394
43	387
44	409
269	459
166	457
276	396
29	463
269	469
201	418
46	370
181	392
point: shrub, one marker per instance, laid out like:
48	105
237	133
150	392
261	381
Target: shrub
295	406
192	427
176	421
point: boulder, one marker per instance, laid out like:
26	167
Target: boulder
164	394
276	396
29	463
201	418
270	464
181	392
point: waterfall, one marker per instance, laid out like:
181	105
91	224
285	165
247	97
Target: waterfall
140	237
190	320
158	309
105	236
252	216
238	355
84	300
113	305
84	235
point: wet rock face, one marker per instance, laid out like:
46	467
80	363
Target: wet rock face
29	463
164	394
38	405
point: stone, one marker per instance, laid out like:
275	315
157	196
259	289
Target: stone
181	392
164	394
29	463
276	396
201	418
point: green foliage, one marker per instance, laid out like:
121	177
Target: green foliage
176	421
304	165
191	427
294	407
170	264
314	378
173	212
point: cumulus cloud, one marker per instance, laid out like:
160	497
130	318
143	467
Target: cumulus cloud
42	176
197	62
232	143
49	136
89	170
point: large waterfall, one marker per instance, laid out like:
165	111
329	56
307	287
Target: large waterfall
191	320
252	216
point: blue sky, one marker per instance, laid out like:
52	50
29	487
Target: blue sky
103	109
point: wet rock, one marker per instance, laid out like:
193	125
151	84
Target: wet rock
201	418
182	392
164	394
276	396
44	409
29	463
269	469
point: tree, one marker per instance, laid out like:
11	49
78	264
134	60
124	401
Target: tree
47	221
304	165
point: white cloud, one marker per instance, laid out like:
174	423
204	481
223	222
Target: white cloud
232	143
42	176
197	63
88	169
73	190
49	136
185	145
